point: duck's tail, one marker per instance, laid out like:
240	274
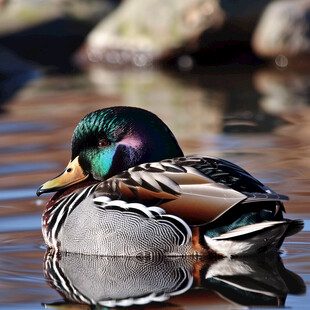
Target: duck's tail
253	239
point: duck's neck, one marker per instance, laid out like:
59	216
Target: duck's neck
65	192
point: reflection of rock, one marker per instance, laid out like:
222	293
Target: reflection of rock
282	92
284	30
247	122
286	94
126	281
173	99
132	36
201	99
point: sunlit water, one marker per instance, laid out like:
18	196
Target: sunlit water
252	119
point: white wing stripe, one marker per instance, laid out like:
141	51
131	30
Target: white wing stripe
247	229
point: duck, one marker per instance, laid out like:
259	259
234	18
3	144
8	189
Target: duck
129	190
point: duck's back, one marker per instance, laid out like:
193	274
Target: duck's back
197	189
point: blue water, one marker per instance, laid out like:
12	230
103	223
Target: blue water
23	222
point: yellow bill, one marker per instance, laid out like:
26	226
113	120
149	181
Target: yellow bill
71	175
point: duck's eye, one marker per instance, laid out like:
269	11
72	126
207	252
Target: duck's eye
103	143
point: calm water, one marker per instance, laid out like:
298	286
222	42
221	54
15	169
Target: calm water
260	120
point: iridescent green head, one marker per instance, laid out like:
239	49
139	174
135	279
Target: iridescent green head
111	140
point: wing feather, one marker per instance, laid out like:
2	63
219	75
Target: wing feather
199	189
243	230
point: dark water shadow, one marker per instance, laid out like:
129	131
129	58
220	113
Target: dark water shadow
49	45
15	73
131	281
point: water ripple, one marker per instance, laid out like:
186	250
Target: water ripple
307	225
27	167
13	127
24	222
17	193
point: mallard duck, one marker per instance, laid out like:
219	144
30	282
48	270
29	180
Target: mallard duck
128	190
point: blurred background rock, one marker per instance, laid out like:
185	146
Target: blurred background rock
248	55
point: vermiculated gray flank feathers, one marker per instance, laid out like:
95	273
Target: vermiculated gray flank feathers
126	229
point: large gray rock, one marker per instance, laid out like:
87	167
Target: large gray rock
16	15
48	32
284	30
140	32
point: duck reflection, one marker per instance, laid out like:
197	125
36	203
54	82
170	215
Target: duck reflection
96	281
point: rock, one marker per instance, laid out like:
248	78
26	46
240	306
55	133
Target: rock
16	15
46	33
283	31
19	14
142	32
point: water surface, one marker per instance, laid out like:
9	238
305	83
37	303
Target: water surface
242	117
